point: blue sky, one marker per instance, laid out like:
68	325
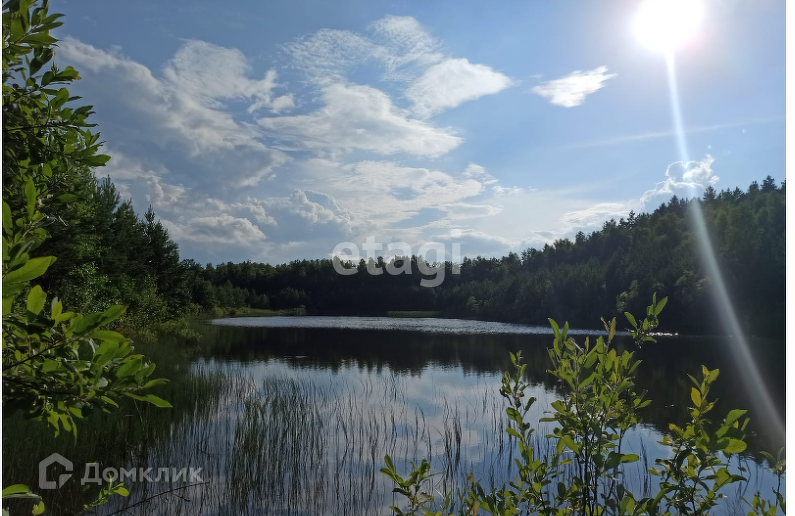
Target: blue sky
273	131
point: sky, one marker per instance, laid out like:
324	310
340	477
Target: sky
274	131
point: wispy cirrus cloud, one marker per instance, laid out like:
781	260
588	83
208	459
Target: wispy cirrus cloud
571	90
406	53
631	138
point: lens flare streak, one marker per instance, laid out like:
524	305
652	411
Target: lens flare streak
740	347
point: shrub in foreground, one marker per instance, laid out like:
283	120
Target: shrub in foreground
583	474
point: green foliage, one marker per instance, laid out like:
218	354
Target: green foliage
57	365
109	255
583	473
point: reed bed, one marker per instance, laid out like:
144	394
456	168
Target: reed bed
270	442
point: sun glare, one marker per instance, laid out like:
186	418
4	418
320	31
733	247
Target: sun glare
666	25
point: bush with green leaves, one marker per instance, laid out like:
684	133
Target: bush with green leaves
583	473
58	365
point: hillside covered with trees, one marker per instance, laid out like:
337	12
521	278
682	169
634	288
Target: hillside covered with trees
107	254
603	273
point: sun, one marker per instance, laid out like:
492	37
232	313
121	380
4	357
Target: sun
666	25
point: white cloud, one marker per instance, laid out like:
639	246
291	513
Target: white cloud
256	209
571	90
461	211
223	229
686	178
144	184
190	133
397	44
386	193
452	82
406	52
328	55
475	171
210	73
593	217
364	118
314	207
158	112
407	43
506	190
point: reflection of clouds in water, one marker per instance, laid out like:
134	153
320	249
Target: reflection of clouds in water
442	412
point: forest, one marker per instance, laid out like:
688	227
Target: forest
108	254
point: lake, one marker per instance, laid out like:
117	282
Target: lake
293	415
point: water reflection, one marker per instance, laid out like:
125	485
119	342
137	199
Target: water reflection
413	347
297	420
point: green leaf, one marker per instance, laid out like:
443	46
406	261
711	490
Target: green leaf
733	416
66	198
659	308
150	398
157	402
36	299
695	395
15	489
735	446
509	431
87	322
32	269
108	335
555	327
162	381
627	505
129	368
631	319
109	401
113	313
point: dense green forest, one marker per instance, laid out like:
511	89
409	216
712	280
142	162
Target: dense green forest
107	254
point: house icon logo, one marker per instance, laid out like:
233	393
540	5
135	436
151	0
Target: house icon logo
43	465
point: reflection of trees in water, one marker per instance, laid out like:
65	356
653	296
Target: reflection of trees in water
238	429
663	371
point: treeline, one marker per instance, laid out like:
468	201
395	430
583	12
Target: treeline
107	254
603	273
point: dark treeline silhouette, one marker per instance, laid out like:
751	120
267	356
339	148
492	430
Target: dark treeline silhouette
604	273
107	254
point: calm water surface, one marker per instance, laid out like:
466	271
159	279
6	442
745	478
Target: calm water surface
293	415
